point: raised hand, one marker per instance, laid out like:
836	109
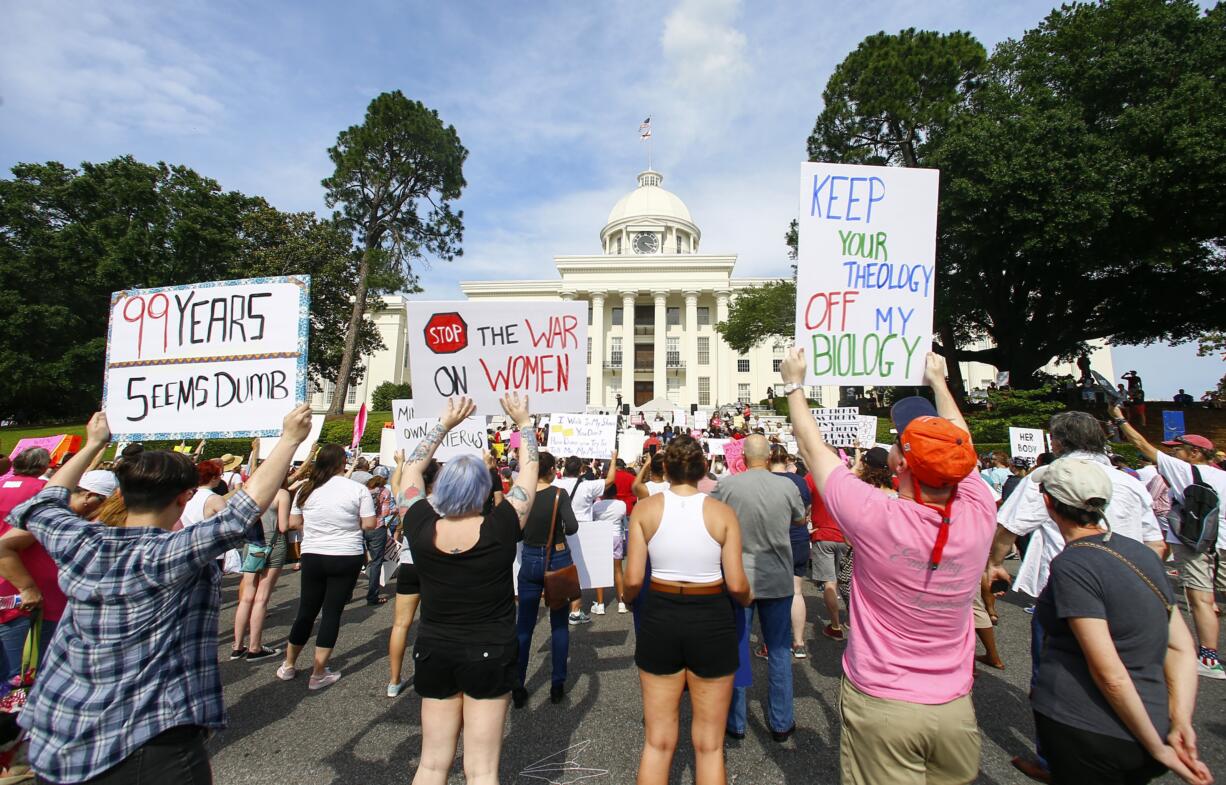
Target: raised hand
517	409
97	431
457	411
935	370
793	367
297	424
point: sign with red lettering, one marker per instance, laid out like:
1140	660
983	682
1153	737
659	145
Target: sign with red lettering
486	349
866	272
207	360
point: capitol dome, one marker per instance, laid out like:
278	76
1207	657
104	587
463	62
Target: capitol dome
653	210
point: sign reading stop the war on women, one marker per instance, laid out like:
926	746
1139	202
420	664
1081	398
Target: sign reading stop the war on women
484	350
866	272
206	360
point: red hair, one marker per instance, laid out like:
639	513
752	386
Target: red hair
208	472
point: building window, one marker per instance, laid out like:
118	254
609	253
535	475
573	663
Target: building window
673	317
742	393
704	391
678	242
589	314
704	316
674	390
704	351
742	365
779	349
815	394
589	351
775	363
619	245
329	391
673	352
351	397
617	317
588	399
615	350
644	316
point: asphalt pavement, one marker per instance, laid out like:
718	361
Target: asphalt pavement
352	734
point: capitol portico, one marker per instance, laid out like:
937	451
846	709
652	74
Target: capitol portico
654	299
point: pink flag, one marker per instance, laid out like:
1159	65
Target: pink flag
359	426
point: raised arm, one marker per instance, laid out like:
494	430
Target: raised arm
97	436
265	481
524	490
639	488
1134	438
413	484
610	476
935	371
820	459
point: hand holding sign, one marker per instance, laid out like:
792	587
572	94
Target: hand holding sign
517	409
935	370
458	410
793	367
97	431
297	424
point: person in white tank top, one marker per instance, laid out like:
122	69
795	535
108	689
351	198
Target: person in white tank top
650	480
687	634
205	504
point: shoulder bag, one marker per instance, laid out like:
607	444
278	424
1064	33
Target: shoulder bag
561	586
1133	567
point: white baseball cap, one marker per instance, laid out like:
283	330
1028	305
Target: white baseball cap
100	482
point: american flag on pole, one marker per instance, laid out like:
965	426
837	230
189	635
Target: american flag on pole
645	129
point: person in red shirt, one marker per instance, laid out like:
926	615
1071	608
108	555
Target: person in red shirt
829	552
651	441
25	481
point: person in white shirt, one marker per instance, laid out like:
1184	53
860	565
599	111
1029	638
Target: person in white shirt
1192	455
1131	514
332	511
588	502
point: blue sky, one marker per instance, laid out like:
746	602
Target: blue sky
547	97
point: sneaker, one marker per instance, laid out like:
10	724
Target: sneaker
579	617
395	689
1210	668
621	607
598	609
1028	609
834	634
286	672
328	678
800	652
263	653
238	654
760	652
556	693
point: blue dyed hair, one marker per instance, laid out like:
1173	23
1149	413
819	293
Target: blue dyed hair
462	486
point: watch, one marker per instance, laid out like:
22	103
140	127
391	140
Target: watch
791	387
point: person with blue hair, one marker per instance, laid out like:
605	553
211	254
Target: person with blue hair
466	654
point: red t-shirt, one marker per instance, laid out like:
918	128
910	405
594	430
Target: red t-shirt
825	527
623	480
43	570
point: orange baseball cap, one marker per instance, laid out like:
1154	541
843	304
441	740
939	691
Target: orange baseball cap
937	452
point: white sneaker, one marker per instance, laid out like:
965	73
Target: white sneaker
621	607
1212	670
286	672
327	679
395	689
598	609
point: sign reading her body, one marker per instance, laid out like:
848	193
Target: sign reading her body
866	272
207	360
484	350
1026	443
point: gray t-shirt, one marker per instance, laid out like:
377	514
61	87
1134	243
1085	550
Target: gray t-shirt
765	505
1087	583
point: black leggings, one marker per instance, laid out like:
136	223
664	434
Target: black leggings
1082	757
327	583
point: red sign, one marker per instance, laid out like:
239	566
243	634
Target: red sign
446	333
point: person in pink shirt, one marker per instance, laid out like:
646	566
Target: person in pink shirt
918	562
26	479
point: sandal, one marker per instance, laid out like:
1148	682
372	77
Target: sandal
379	601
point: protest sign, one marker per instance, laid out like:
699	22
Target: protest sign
1026	443
387	446
631	444
267	445
584	435
1172	425
467	438
867	435
734	455
678	418
486	349
866	272
716	446
207	360
56	446
840	426
592	550
1002	379
701	420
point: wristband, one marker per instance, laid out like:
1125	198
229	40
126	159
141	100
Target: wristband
1118	421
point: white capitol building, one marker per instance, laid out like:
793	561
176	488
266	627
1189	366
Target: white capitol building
654	298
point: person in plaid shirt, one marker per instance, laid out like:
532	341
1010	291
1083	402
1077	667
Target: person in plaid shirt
130	688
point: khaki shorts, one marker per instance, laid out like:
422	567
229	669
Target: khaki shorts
982	620
1200	571
901	743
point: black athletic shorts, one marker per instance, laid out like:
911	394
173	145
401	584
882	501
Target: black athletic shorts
442	669
687	632
800	557
407	581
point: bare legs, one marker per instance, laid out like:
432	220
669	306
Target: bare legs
1200	603
441	721
991	657
406	608
242	614
618	586
264	584
710	699
798	613
830	594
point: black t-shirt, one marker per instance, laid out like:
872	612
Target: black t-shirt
1087	583
1010	485
466	597
536	529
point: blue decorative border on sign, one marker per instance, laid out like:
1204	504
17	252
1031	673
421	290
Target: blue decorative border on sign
303	282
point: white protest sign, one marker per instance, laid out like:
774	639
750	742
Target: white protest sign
716	446
678	417
1026	442
387	446
467	438
487	349
1002	379
404	409
866	272
840	426
207	360
867	435
584	435
701	420
267	445
631	444
592	550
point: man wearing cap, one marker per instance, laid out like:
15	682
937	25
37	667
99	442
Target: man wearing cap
918	563
1191	455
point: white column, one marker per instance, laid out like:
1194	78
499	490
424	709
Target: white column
659	372
726	367
596	335
628	347
689	352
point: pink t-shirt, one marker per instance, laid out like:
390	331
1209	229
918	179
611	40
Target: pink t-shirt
912	637
15	489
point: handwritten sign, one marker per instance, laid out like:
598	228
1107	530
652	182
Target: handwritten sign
467	438
1026	442
304	450
840	426
866	272
1172	425
734	455
701	420
716	446
591	549
867	435
207	360
584	435
56	446
486	349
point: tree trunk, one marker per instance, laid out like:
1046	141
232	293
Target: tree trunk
351	337
957	385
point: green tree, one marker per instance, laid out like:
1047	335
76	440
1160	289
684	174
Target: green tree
381	399
396	176
760	313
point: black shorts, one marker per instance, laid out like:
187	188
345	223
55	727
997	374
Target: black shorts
1077	756
442	669
406	580
687	632
800	557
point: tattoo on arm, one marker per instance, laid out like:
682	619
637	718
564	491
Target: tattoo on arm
409	497
428	445
518	494
530	446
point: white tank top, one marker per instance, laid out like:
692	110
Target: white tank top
682	549
193	512
654	487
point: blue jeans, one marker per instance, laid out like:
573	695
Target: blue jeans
376	546
776	620
13	641
531	587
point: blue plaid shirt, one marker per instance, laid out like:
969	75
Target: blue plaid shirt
135	653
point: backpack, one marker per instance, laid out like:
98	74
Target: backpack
1196	523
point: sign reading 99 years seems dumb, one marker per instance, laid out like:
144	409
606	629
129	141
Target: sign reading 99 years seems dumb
866	272
207	360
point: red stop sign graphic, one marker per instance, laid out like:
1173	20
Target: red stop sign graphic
446	333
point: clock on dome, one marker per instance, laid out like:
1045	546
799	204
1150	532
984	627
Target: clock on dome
646	242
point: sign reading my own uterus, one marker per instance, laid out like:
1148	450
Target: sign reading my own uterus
866	273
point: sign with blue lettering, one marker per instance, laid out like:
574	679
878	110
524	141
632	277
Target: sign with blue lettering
866	272
1172	425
